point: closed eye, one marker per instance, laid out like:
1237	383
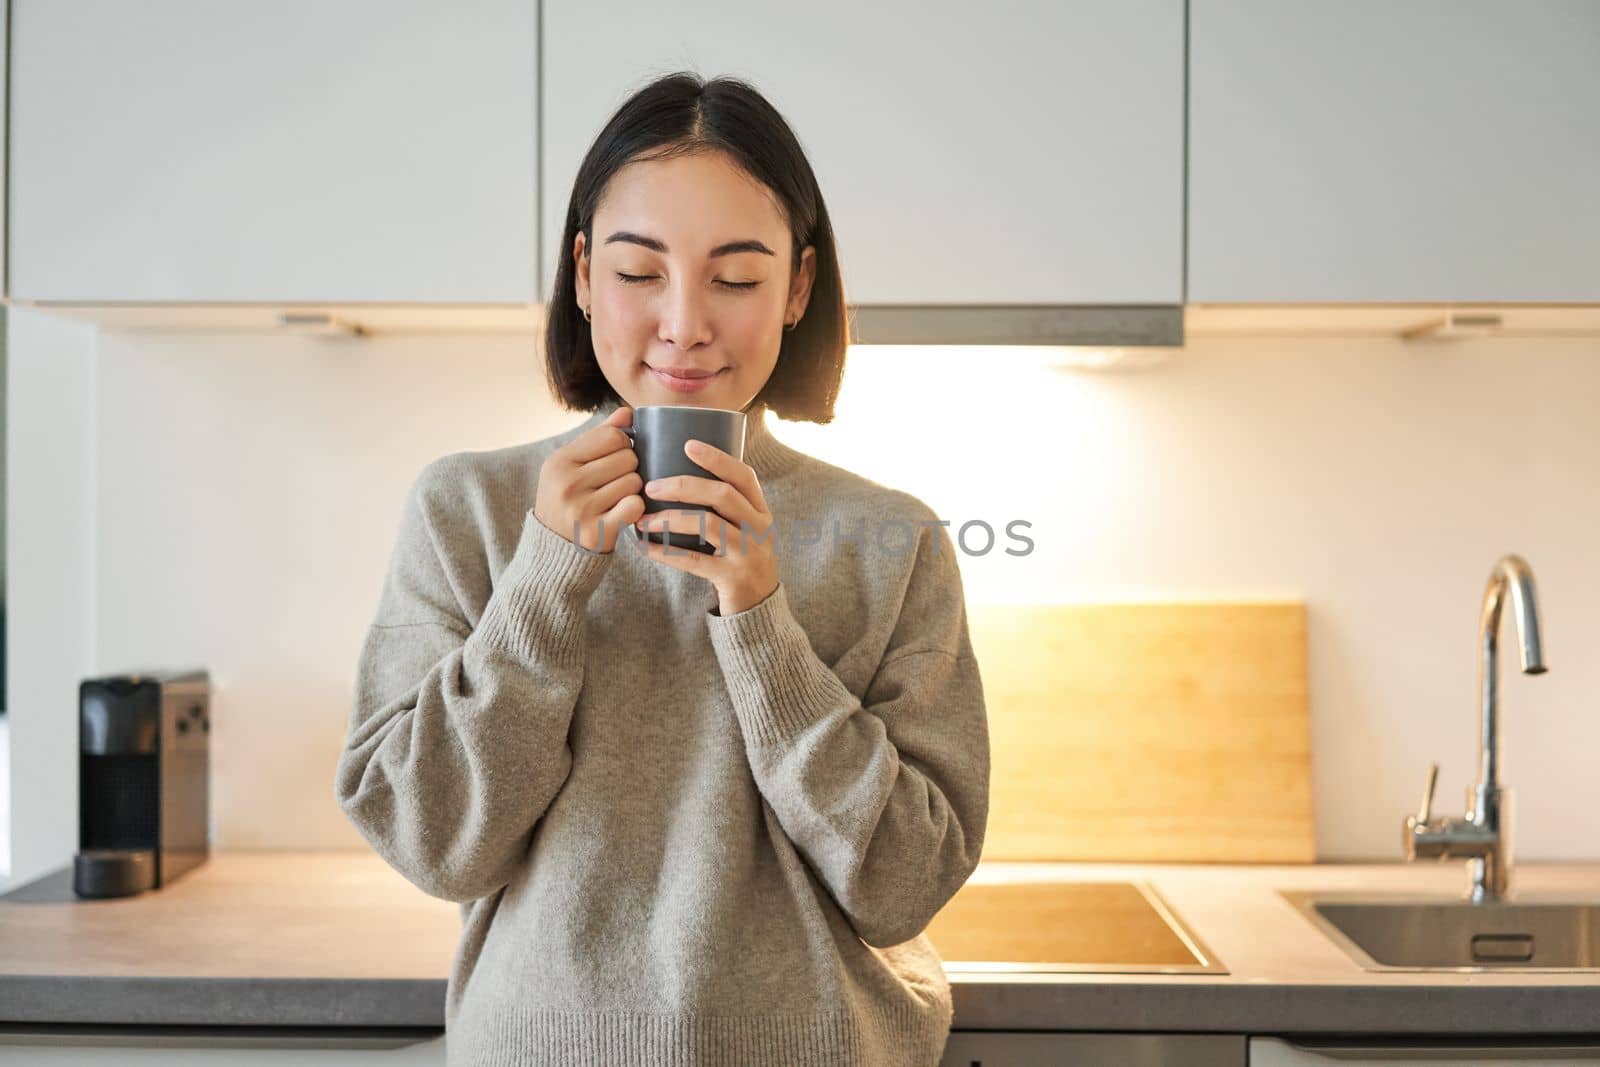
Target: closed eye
635	279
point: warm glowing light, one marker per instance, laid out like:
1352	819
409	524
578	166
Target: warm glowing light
991	434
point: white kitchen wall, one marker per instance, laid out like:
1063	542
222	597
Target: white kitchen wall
249	486
50	487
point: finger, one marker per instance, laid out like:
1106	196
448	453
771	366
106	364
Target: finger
718	496
621	514
607	468
708	526
735	472
684	559
601	440
619	491
728	539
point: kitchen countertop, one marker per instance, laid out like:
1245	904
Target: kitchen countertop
340	939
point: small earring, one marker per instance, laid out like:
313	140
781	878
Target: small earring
790	325
586	317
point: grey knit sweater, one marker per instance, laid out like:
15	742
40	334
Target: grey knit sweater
677	837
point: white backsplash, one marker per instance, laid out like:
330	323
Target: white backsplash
243	493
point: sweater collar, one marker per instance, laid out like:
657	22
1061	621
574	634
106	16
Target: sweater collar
765	454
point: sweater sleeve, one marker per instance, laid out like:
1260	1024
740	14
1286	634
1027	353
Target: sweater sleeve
457	736
887	796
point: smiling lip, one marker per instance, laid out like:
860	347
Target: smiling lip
685	379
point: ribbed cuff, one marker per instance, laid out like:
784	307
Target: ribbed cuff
537	608
778	685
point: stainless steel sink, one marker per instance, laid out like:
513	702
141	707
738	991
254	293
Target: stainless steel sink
1412	933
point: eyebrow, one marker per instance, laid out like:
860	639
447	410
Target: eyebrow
721	250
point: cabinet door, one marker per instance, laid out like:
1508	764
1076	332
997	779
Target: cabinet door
1275	1052
306	150
1002	153
5	140
1435	150
179	1049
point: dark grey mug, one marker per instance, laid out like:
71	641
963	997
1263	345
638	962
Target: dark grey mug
659	432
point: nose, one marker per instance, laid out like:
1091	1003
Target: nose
685	319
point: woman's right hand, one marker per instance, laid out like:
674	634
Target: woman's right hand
592	477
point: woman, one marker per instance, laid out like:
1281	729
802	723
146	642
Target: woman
697	809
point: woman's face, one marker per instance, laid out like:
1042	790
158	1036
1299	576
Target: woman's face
688	283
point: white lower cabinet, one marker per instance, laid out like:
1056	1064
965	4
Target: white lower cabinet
1004	1048
141	1049
965	1048
1484	1052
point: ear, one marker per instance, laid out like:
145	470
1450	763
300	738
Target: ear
800	287
580	271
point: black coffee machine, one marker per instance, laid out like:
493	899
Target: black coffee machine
143	780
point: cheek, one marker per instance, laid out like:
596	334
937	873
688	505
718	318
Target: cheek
754	322
622	306
630	319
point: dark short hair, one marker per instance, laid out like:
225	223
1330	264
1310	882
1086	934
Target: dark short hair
676	115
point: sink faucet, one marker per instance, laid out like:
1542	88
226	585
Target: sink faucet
1483	835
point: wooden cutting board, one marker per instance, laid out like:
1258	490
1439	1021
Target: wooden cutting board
1147	732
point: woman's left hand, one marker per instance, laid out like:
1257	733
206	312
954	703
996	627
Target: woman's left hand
744	568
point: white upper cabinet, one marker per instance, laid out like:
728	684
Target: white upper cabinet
968	154
297	151
1434	150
